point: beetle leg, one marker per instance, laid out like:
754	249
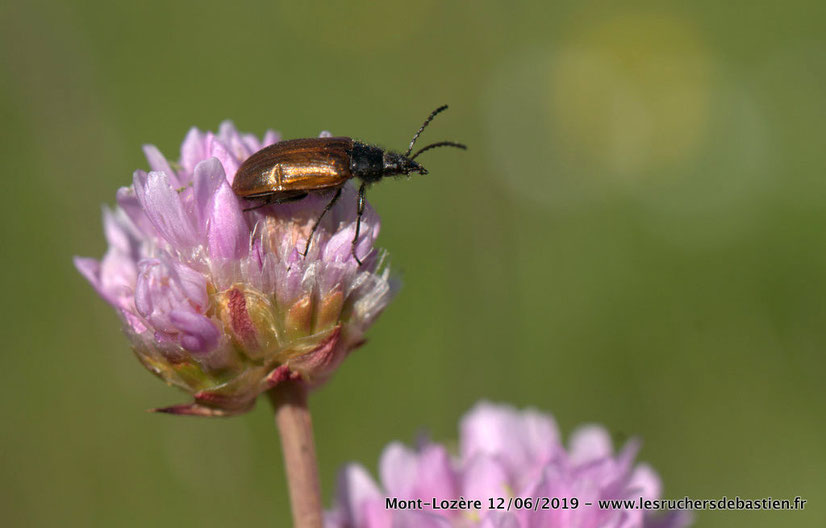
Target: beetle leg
294	197
271	198
317	222
265	202
362	188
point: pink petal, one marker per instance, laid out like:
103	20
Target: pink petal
192	285
419	475
90	268
589	443
356	491
228	231
270	137
233	140
193	149
199	334
522	439
215	148
484	477
117	231
625	458
417	519
118	272
144	295
398	470
227	131
164	209
675	519
645	482
157	162
339	246
128	202
497	519
251	143
436	477
208	176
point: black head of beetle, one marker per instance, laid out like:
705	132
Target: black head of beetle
370	163
395	163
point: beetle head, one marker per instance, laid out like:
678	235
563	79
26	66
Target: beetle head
395	163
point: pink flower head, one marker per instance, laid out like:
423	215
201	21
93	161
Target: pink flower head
221	302
504	455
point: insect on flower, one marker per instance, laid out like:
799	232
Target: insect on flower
290	170
218	302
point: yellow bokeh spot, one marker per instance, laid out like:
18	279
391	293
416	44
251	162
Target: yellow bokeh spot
631	93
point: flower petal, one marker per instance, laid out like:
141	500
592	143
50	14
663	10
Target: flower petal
270	137
645	482
418	475
163	207
172	297
227	232
118	230
521	440
193	149
398	470
484	477
207	178
356	491
417	519
589	443
90	268
131	206
199	334
157	162
674	519
233	140
497	519
216	148
436	476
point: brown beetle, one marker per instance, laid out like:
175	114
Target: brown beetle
290	170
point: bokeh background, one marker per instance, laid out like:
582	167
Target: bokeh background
635	238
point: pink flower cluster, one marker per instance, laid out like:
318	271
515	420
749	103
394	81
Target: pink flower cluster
503	453
221	302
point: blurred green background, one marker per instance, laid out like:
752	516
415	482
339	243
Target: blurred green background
635	238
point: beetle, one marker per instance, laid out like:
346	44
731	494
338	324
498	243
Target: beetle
290	170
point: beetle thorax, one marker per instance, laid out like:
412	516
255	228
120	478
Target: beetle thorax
367	162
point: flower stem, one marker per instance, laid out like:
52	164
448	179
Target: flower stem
292	416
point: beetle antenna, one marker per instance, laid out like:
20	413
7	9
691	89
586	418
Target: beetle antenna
439	144
426	122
